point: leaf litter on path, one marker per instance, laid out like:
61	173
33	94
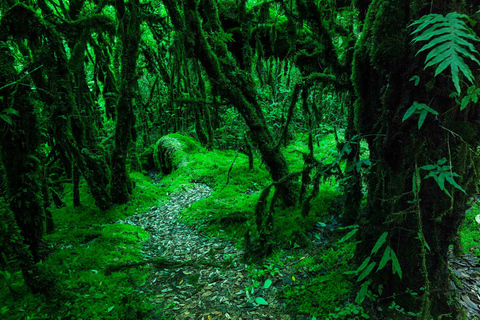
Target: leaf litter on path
198	277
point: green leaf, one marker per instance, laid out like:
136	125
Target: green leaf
261	301
442	161
423	115
429	167
363	265
453	183
111	308
415	187
380	242
6	119
416	79
4	256
362	293
367	271
348	236
449	41
385	258
465	102
441	181
475	97
409	112
427	108
10	111
267	284
395	264
353	226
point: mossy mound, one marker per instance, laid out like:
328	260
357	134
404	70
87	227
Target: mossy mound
172	151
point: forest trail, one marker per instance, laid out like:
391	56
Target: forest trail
199	277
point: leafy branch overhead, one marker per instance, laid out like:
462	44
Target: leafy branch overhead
449	41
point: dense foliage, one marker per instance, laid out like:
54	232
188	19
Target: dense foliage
341	168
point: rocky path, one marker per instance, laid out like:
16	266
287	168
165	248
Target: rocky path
197	277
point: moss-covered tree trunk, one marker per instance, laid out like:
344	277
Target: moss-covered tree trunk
233	84
130	28
384	63
49	60
18	146
85	121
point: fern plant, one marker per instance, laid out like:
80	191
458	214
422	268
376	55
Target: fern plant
449	41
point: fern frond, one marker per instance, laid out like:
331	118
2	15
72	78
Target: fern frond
449	40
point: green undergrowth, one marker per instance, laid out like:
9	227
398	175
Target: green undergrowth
144	196
229	210
212	168
324	151
87	245
326	292
470	232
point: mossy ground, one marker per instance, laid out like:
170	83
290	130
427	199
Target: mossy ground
87	242
325	291
470	232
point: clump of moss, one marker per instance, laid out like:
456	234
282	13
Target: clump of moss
326	272
145	195
470	232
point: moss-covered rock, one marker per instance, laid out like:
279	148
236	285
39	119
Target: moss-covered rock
171	151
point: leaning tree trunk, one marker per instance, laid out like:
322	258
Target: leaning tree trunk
121	184
233	84
420	224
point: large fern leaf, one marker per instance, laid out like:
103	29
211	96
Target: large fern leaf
449	41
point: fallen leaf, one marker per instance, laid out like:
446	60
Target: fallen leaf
267	283
261	301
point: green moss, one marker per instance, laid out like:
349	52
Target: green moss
326	152
145	195
80	268
470	232
228	211
389	36
326	277
172	151
325	201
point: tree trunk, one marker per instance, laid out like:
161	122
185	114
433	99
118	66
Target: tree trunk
121	184
384	63
76	186
18	146
237	87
